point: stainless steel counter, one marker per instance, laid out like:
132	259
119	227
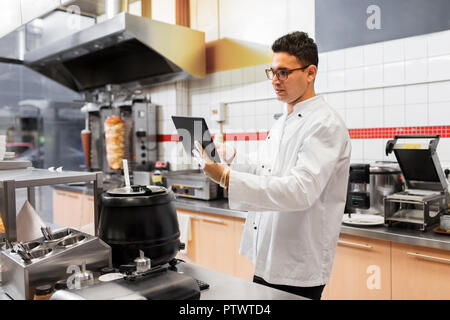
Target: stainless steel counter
224	287
409	236
428	239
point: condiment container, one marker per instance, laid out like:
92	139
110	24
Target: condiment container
43	292
445	223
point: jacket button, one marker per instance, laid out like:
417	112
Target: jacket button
255	228
268	137
299	115
262	166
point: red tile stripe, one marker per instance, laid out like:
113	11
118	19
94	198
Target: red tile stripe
360	133
388	133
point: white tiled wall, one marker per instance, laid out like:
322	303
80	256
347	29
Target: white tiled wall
404	82
397	83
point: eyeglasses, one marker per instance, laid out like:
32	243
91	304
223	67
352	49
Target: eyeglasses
282	74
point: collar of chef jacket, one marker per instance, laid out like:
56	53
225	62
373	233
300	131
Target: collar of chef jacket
304	107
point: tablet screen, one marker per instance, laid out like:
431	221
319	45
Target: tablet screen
192	129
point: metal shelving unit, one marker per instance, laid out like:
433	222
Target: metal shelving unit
29	178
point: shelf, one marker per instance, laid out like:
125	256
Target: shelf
32	177
10	180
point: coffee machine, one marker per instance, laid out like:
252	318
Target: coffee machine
369	184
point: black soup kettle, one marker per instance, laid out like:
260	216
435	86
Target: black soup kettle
140	218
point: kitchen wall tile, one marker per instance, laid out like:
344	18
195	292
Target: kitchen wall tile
214	80
336	80
323	62
373	97
373	54
354	78
261	123
260	73
232	110
226	94
237	93
260	90
373	149
250	123
225	78
336	100
248	74
416	114
416	71
373	76
416	94
439	91
320	84
261	108
439	43
354	99
357	154
416	47
249	109
394	116
443	152
393	73
236	76
393	51
439	68
269	90
394	96
343	114
355	118
354	57
336	60
249	90
439	113
373	117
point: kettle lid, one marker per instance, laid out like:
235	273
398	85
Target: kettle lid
136	190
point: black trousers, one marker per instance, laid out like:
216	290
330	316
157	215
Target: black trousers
314	293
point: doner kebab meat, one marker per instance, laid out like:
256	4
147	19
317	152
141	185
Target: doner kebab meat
115	141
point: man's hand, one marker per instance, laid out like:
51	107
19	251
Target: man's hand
226	152
217	172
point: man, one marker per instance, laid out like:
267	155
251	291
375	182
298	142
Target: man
296	192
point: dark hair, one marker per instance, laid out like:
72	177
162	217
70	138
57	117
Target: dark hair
298	44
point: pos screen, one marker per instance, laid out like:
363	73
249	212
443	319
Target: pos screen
192	129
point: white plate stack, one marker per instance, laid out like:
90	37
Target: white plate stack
358	219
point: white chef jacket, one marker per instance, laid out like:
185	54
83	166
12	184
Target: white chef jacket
298	188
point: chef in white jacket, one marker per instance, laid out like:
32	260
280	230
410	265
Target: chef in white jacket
295	193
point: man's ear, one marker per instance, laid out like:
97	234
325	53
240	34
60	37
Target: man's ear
311	72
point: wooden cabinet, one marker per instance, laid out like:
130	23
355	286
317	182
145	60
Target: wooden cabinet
420	273
215	243
73	209
361	270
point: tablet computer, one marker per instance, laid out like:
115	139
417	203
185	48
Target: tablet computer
192	129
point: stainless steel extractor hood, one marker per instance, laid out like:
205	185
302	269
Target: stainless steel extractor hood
128	50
